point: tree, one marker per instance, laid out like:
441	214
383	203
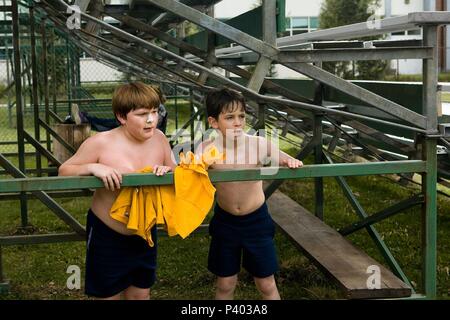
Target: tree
335	13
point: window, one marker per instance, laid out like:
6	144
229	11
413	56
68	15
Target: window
416	32
313	22
297	25
300	22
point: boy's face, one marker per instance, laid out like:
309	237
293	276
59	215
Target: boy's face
140	123
231	121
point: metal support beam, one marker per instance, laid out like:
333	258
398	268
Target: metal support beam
41	238
44	198
430	79
318	182
163	36
384	250
4	284
261	70
34	73
45	78
306	56
41	149
217	26
264	63
429	218
60	139
383	214
357	30
361	94
19	106
188	123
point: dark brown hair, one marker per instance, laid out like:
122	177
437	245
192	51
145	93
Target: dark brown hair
133	96
162	97
222	99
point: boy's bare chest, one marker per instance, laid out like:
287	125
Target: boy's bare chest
243	156
131	159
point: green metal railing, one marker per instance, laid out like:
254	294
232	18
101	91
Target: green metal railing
265	173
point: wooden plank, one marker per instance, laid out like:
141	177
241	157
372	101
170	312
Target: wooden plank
74	134
332	253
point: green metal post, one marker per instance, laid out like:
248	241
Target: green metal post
8	81
55	86
318	154
429	218
78	67
318	182
69	91
19	107
429	154
4	284
281	16
35	91
45	82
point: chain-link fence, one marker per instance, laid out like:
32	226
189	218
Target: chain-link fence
54	72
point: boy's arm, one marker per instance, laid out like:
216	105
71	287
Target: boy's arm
283	158
169	159
85	162
288	161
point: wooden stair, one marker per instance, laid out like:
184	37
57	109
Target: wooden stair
332	253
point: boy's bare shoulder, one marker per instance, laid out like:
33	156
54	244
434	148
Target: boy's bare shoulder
255	137
101	137
97	142
159	134
202	146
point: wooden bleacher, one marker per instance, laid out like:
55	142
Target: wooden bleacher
332	253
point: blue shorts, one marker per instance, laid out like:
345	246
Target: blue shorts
249	236
115	261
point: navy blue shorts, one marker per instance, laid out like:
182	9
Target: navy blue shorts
115	261
249	236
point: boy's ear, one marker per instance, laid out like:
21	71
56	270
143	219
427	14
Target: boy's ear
121	119
213	122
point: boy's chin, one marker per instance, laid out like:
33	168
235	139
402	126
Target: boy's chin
149	132
234	134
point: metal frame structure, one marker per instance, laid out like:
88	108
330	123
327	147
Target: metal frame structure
198	70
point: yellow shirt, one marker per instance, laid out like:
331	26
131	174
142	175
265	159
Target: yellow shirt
182	207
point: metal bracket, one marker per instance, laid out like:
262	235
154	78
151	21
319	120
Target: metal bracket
444	129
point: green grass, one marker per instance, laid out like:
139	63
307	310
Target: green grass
39	271
442	77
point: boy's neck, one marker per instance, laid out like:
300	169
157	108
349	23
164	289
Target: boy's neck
130	137
234	142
